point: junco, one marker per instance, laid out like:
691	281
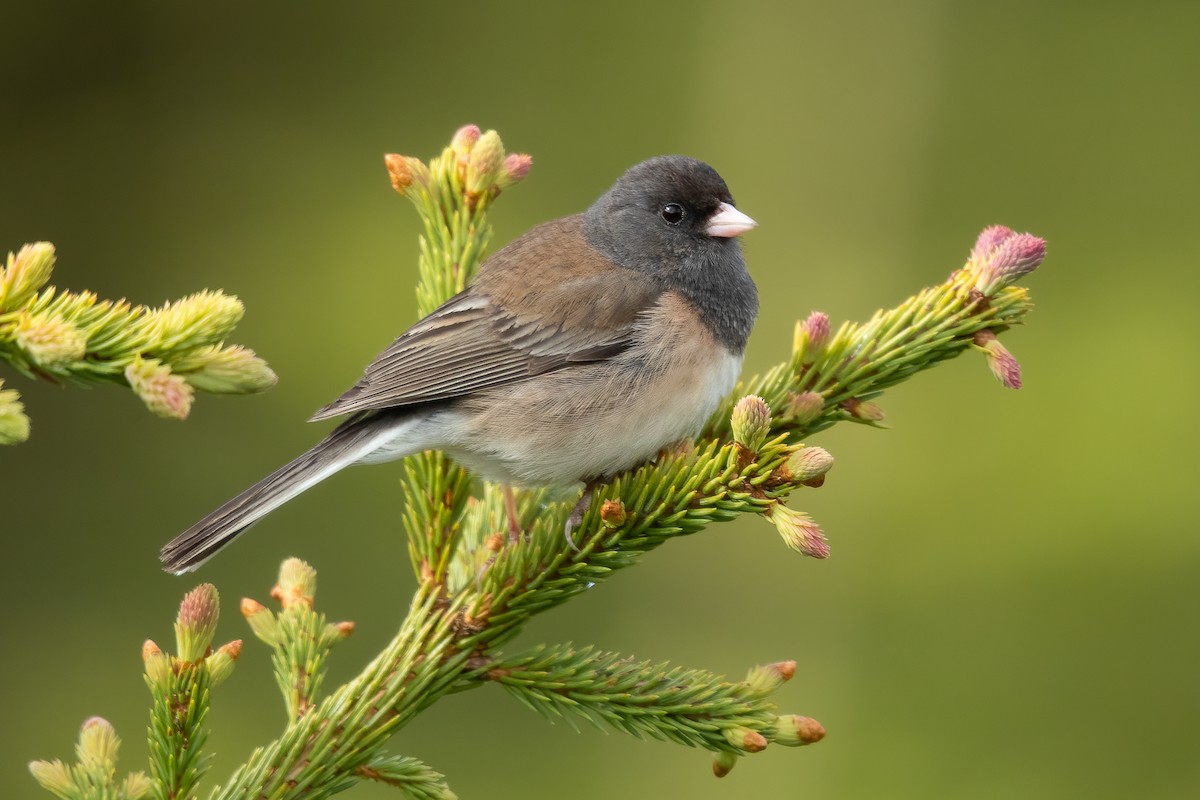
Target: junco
581	349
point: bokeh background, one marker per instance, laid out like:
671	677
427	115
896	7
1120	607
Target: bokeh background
1011	607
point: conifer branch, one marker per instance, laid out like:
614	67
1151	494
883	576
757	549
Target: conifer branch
299	637
163	354
474	592
687	706
413	778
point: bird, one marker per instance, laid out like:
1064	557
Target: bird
580	350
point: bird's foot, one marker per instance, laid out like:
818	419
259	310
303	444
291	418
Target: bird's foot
581	508
514	518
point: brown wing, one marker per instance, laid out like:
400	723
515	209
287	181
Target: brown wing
544	302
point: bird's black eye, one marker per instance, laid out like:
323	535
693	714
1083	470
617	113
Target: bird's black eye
672	213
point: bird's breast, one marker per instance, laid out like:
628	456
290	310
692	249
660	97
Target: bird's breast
597	419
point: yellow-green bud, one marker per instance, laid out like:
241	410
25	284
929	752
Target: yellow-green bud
25	273
751	422
98	744
50	341
766	678
227	370
136	786
464	140
14	425
793	730
863	409
612	513
197	622
745	739
262	621
165	394
798	530
406	172
723	763
297	584
810	337
158	666
485	163
804	407
807	465
198	319
220	664
54	777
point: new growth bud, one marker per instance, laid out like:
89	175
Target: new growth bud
220	664
746	739
25	273
798	530
464	140
804	407
406	172
227	370
137	785
1001	257
807	465
484	163
811	337
98	744
766	678
54	777
1001	362
297	584
989	239
199	319
164	393
197	622
14	425
157	665
863	409
612	513
792	730
516	167
50	341
262	621
751	422
723	763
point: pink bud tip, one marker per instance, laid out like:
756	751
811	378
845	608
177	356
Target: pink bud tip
200	607
817	327
1018	255
465	139
517	166
1001	362
989	240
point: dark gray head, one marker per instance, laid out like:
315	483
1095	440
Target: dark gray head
672	218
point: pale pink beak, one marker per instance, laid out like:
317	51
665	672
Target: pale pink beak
728	222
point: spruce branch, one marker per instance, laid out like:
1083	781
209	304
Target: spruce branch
687	706
300	637
94	774
180	686
832	378
414	779
452	195
474	591
163	354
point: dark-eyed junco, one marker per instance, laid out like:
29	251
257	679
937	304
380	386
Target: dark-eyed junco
580	350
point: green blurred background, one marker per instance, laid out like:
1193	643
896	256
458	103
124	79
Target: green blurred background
1011	606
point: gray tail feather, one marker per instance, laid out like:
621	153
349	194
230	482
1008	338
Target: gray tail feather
339	449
